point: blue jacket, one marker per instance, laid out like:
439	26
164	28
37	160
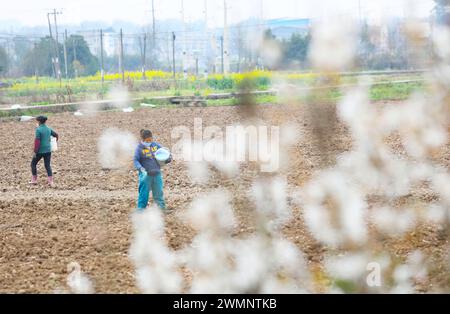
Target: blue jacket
144	158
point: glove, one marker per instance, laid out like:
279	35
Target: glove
144	172
169	160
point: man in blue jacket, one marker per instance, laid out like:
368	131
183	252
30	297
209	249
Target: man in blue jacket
150	178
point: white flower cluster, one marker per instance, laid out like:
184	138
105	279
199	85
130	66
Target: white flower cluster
78	282
270	199
335	204
406	274
260	263
115	148
333	46
155	264
334	209
263	262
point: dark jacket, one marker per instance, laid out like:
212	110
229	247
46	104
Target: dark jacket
144	157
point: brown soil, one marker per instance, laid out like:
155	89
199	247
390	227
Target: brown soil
86	216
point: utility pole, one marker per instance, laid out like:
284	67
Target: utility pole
359	13
261	18
51	41
222	53
173	55
49	25
56	25
206	14
58	67
213	43
36	72
122	70
154	23
208	54
196	66
8	53
8	49
102	69
225	61
168	41
75	60
240	44
65	53
143	55
183	19
118	55
261	9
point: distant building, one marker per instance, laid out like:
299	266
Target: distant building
441	13
92	38
110	42
388	35
285	28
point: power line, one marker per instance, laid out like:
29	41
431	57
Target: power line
185	40
241	26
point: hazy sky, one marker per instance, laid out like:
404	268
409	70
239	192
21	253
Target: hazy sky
32	12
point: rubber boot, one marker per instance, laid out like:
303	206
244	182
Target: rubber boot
50	181
33	180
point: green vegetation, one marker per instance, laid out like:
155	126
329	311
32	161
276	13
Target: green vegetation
46	91
80	60
399	91
4	62
262	99
385	92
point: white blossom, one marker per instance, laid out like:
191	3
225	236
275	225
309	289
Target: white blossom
333	45
212	211
441	42
350	267
156	265
405	274
115	148
270	198
334	209
436	214
392	221
198	172
77	281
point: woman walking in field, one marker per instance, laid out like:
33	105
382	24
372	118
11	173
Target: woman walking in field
42	149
